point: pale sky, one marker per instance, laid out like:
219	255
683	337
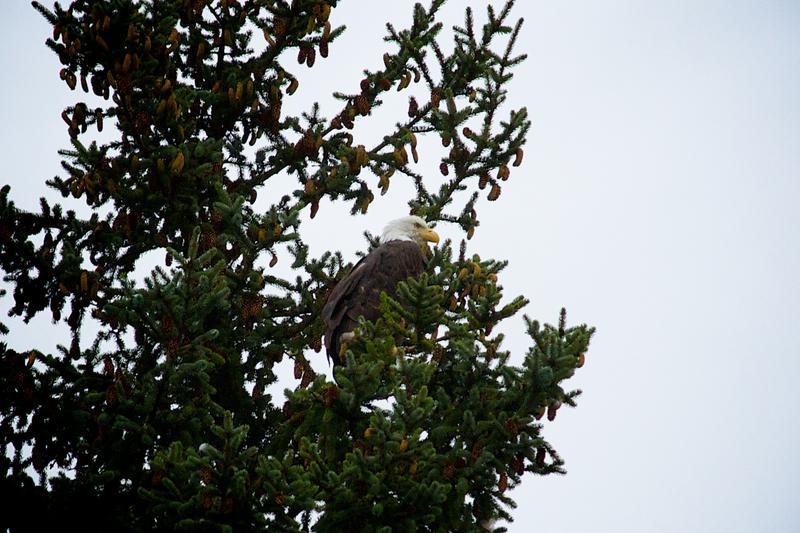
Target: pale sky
657	201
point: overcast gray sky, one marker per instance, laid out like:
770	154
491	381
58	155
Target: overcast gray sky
657	201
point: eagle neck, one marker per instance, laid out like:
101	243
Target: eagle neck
389	237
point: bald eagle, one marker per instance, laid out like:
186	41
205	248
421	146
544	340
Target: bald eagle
401	254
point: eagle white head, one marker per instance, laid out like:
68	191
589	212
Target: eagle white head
411	228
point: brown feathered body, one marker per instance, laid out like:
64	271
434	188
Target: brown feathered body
359	293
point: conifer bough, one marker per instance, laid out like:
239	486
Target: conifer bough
163	420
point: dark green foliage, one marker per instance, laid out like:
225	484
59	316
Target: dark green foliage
162	421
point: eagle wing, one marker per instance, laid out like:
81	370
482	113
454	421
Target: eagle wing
359	293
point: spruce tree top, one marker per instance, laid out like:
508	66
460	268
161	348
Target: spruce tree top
162	420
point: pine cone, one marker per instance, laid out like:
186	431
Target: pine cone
362	104
330	395
413	107
540	456
494	194
518	465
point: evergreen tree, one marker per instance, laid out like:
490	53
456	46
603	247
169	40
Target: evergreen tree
162	420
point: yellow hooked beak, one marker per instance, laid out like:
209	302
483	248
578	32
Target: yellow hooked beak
429	235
